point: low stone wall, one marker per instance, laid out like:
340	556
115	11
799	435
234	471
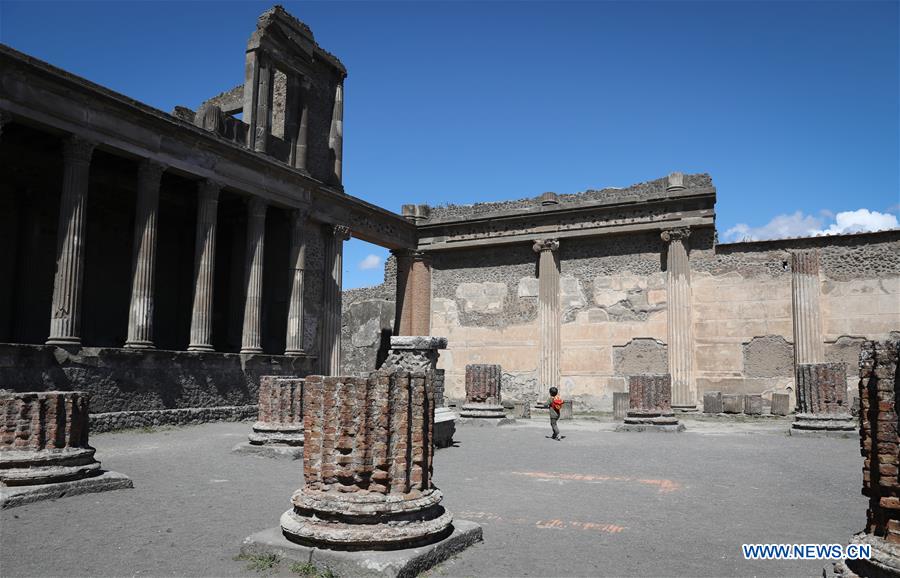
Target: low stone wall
120	380
116	420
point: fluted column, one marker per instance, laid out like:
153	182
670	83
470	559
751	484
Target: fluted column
143	264
678	309
330	360
65	315
548	312
807	317
336	138
413	316
204	263
294	337
251	341
298	119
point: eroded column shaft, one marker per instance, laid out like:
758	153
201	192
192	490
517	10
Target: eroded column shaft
679	327
413	303
297	266
330	360
807	316
548	313
204	263
336	138
256	233
143	267
65	316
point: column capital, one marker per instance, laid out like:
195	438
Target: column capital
675	234
151	170
542	245
341	232
301	213
209	189
78	149
256	206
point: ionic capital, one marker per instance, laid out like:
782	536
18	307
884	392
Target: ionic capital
545	245
676	234
150	170
78	149
341	232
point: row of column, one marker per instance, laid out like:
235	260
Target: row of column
70	255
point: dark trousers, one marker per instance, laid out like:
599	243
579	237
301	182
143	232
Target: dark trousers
553	420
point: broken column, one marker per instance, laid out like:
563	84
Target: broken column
879	392
44	451
483	392
712	402
650	405
278	431
822	407
419	353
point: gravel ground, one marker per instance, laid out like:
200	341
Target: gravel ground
597	503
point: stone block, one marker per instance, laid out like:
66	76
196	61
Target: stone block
521	410
781	404
712	402
620	405
753	404
566	411
732	403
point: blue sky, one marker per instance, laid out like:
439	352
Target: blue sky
792	107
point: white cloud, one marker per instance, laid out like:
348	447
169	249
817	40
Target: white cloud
800	225
370	262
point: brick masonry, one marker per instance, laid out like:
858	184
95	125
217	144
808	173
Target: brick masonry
822	388
280	419
483	383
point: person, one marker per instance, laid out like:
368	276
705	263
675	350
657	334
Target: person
555	404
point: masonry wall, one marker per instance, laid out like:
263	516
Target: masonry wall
613	309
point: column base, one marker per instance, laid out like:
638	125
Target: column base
828	425
884	563
201	347
63	341
251	350
685	408
294	352
139	345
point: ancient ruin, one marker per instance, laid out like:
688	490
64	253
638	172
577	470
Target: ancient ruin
879	393
367	473
44	451
821	401
650	405
483	393
278	431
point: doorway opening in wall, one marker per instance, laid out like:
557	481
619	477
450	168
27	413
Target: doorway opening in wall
368	305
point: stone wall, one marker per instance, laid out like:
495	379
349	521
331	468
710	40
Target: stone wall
613	311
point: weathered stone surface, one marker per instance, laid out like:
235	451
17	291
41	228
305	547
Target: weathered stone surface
367	465
117	420
821	401
781	404
768	356
522	410
712	402
753	404
621	402
487	297
280	420
879	392
732	403
567	410
640	356
483	392
650	405
43	442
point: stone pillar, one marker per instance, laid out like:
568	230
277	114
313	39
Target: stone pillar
548	314
330	360
367	465
65	315
807	317
258	82
44	451
297	266
278	431
879	392
143	264
483	392
678	310
298	120
650	405
336	138
253	276
822	407
413	315
204	263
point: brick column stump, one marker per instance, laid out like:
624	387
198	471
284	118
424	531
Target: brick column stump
822	408
367	481
483	393
650	405
278	431
879	392
44	451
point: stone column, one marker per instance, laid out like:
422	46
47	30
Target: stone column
822	407
278	431
650	405
44	450
805	289
253	276
299	115
336	138
548	314
413	315
258	81
679	319
204	263
483	392
65	316
331	312
297	266
367	464
879	392
143	264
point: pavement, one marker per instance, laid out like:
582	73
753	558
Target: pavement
598	503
